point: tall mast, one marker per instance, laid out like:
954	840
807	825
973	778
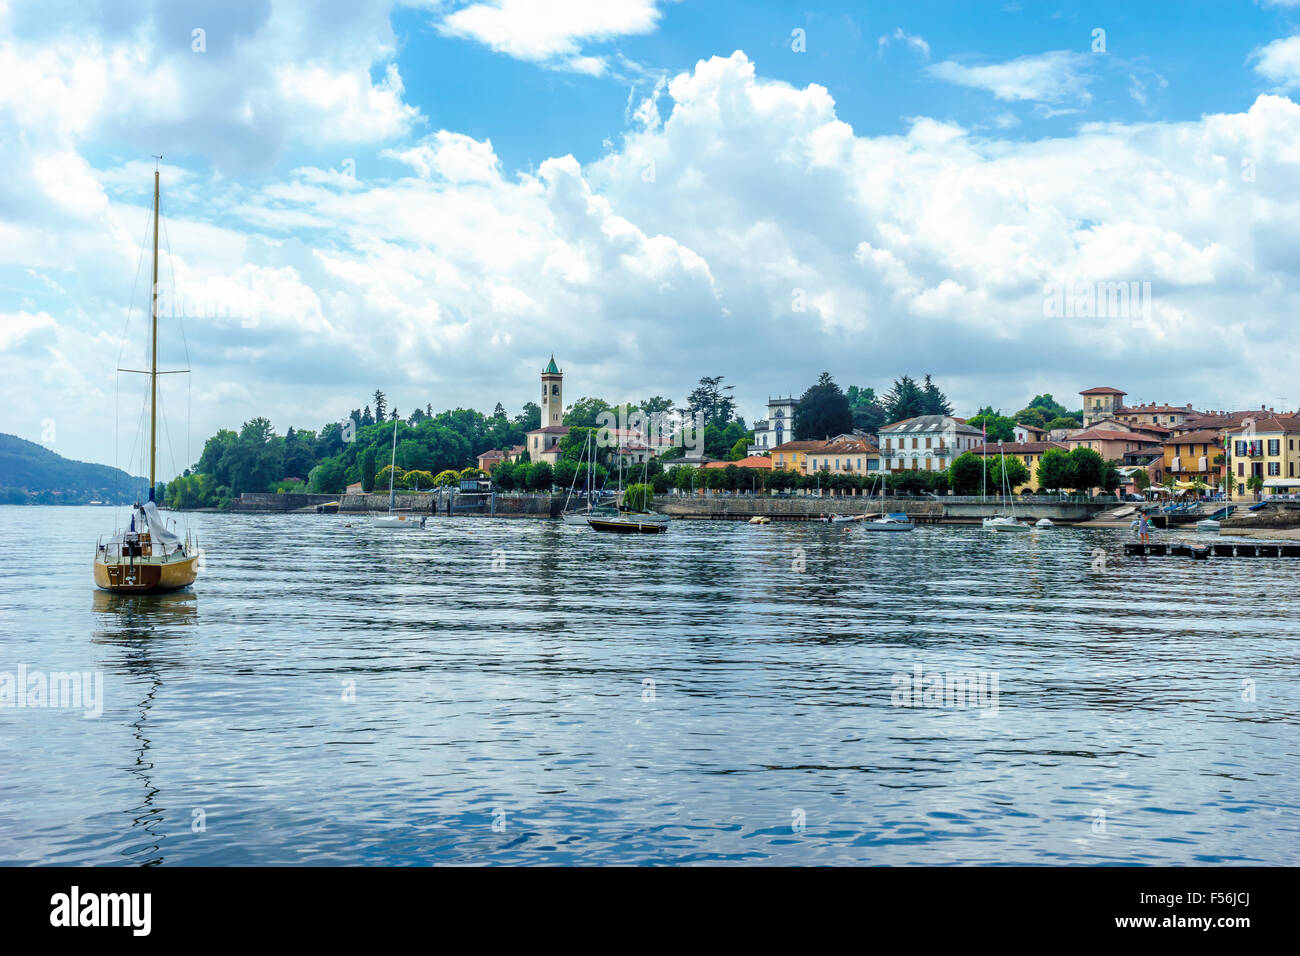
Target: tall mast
153	362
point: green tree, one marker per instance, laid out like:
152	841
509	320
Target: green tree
999	428
447	477
381	405
657	405
1031	416
1061	422
741	446
368	470
936	402
1254	484
966	474
905	400
638	497
585	412
823	411
1141	480
1089	468
540	477
417	478
713	400
1056	470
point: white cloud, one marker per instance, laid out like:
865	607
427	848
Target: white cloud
924	251
913	42
1052	77
453	156
554	32
1279	62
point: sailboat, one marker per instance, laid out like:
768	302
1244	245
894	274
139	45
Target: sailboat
579	516
888	522
1005	522
629	520
148	556
393	519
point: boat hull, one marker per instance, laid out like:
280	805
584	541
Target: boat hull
146	575
627	526
395	521
888	526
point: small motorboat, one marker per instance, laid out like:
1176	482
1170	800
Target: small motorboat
1044	523
1005	523
845	519
890	522
760	519
391	520
1208	524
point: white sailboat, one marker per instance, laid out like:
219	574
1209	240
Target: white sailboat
393	519
887	522
578	516
1005	522
148	556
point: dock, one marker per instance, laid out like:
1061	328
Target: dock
1236	549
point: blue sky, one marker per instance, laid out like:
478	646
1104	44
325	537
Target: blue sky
431	197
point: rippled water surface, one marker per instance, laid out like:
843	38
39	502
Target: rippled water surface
527	692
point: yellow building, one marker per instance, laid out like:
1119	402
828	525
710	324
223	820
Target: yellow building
1029	452
1267	448
793	455
1190	458
849	456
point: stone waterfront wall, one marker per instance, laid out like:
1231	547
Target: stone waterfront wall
460	503
286	502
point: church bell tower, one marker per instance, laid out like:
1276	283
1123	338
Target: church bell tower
552	395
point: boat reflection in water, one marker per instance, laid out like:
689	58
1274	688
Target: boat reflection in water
140	626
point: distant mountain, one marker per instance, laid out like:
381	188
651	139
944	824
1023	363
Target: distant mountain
32	474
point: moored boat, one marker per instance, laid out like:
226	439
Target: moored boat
630	522
148	556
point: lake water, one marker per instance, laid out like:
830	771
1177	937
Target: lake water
517	691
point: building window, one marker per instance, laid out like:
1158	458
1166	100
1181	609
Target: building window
1273	446
1241	470
1274	468
913	441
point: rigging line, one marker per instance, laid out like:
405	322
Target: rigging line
185	342
144	241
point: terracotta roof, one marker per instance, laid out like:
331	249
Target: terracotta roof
1202	437
753	461
799	446
492	453
1273	423
1101	434
1031	428
1018	448
551	430
1102	390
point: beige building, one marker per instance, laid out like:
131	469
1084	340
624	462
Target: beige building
1101	402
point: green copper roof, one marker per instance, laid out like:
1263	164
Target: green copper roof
551	369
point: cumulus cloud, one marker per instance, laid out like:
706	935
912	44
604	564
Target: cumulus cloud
552	33
1055	77
738	227
1279	62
